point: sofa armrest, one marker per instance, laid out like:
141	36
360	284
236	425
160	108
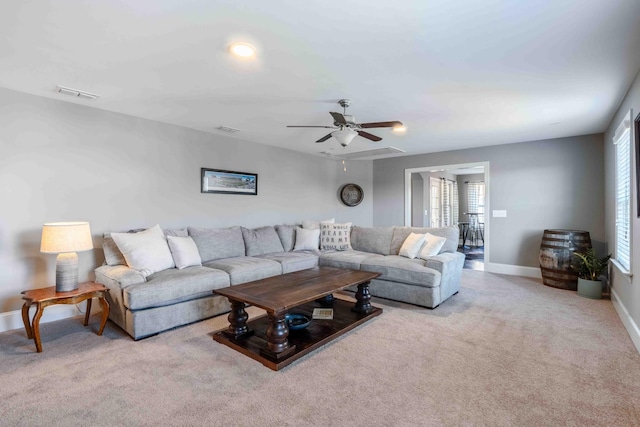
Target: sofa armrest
119	276
445	261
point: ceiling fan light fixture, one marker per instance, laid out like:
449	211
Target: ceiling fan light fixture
244	50
400	129
344	136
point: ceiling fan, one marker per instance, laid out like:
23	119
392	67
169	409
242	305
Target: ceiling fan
347	128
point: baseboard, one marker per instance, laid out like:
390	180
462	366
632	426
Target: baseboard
13	319
512	270
627	320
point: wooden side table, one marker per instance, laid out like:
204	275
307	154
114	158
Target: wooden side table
48	296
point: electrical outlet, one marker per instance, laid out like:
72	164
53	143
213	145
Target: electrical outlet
499	214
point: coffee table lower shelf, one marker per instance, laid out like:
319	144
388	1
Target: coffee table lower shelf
317	334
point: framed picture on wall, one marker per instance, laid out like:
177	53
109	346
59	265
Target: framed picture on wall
228	182
636	128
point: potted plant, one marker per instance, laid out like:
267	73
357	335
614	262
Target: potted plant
589	268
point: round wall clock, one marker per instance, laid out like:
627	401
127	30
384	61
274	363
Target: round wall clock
351	194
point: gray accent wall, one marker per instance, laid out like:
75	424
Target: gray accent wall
626	290
556	183
62	161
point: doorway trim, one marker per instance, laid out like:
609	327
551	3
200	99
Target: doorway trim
487	220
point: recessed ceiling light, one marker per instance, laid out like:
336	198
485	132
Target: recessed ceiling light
242	49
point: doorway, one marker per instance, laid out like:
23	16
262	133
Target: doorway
452	195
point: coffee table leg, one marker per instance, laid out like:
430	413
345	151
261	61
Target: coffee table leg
277	333
363	299
237	320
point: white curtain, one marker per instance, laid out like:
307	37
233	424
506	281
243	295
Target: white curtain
456	203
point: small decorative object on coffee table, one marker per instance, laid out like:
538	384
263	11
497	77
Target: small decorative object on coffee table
267	339
45	297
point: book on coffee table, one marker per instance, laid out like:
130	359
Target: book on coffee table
323	313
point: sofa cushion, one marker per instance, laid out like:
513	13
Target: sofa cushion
287	235
146	251
395	268
412	245
401	233
315	225
172	286
263	240
112	254
307	239
376	240
294	261
335	236
184	251
345	259
218	243
432	246
246	269
176	232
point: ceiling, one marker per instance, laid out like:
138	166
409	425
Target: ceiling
459	74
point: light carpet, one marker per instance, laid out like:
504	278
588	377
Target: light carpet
505	351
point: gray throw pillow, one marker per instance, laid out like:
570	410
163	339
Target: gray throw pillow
263	240
287	235
112	254
376	240
218	243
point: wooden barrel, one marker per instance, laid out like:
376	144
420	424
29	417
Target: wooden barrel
556	254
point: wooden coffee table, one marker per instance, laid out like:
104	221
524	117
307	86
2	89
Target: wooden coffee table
267	338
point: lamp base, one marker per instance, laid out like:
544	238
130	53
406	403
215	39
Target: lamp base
67	272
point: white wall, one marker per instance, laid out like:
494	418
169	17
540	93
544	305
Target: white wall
625	291
554	183
61	162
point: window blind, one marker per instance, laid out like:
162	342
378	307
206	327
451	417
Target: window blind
622	141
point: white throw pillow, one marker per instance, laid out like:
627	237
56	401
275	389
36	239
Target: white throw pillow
411	246
432	245
146	251
307	240
315	225
335	236
185	252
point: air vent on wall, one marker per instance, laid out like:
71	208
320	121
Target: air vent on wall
362	155
227	129
77	93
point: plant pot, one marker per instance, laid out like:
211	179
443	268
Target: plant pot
590	288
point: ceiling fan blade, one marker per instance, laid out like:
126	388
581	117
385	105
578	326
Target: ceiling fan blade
327	127
392	124
338	118
324	138
369	136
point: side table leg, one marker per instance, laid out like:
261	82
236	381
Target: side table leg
87	312
363	299
36	327
237	320
25	319
105	313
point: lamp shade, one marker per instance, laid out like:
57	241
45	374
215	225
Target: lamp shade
344	136
61	237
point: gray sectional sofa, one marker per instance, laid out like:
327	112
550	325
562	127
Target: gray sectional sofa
146	305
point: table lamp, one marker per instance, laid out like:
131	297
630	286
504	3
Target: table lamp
65	239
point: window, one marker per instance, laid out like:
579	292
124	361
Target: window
434	190
622	141
475	199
